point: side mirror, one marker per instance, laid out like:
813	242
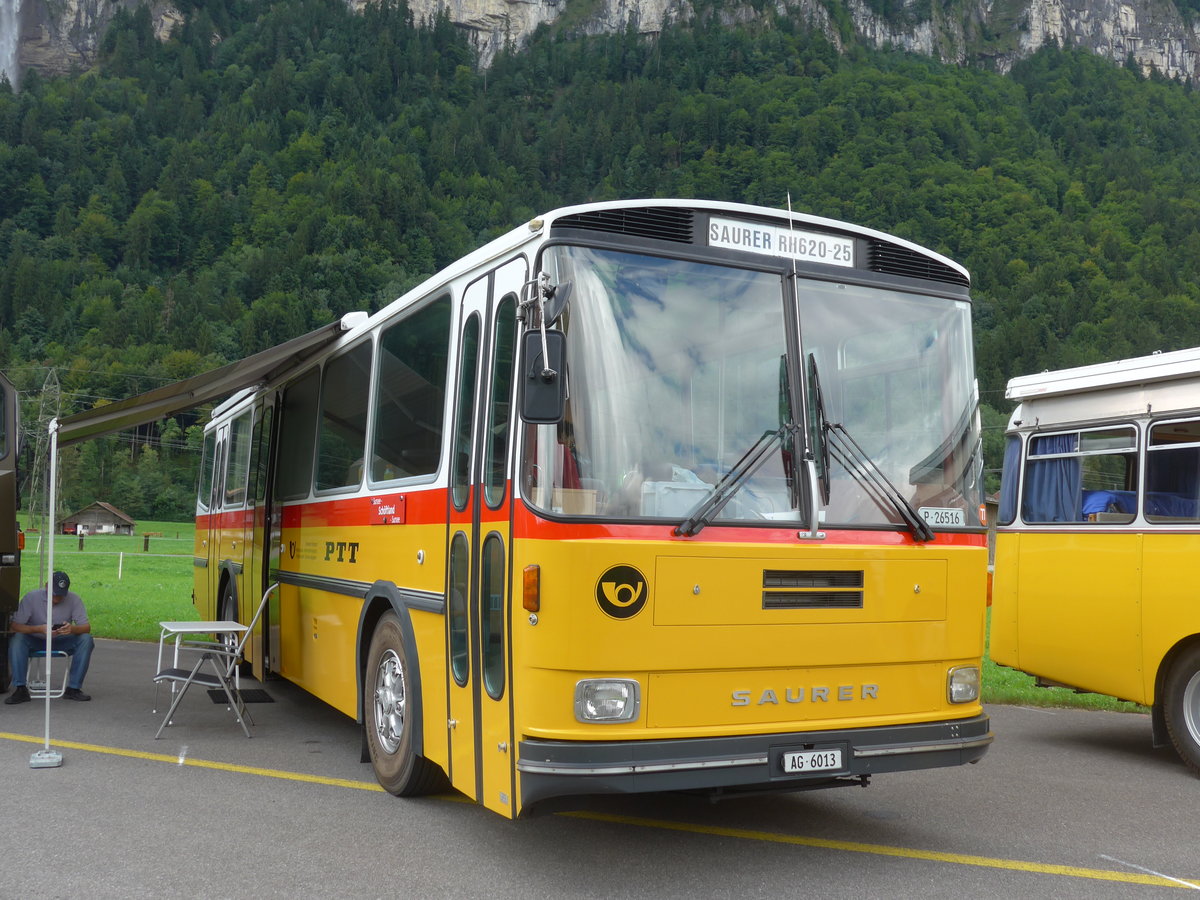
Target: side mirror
544	383
556	303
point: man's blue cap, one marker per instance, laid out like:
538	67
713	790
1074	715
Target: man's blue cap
61	583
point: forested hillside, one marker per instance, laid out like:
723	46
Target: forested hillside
276	165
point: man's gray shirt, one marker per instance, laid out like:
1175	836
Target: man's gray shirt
32	610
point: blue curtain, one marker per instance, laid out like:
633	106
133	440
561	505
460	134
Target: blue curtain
1173	483
1174	471
1052	486
1010	477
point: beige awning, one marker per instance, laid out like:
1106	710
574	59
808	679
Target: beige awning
205	388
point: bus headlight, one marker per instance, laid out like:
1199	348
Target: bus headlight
962	685
607	700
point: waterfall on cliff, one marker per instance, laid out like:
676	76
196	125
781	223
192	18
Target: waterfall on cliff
10	17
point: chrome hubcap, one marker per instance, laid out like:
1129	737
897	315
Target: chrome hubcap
1191	707
389	702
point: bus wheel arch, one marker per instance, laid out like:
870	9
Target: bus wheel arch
390	701
1178	703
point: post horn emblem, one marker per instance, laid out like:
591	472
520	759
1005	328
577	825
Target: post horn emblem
621	592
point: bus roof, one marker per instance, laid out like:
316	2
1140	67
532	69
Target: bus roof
540	225
1121	373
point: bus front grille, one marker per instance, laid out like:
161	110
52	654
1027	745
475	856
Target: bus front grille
661	223
812	589
892	259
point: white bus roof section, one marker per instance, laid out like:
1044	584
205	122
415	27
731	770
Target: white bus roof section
1122	373
1164	384
204	388
744	209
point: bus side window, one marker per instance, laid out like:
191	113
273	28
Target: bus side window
410	393
237	464
342	432
1082	476
1173	472
204	489
1010	478
460	465
259	455
297	426
495	466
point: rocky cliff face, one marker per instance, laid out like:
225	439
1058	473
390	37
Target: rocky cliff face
58	35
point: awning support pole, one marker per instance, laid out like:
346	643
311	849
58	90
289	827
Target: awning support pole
47	758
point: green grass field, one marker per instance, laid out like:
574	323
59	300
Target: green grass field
128	591
1002	685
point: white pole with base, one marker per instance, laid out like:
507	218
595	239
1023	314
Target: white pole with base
47	758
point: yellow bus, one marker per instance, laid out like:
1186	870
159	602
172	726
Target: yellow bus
641	496
1097	533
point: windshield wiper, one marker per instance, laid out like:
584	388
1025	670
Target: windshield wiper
732	480
852	457
832	439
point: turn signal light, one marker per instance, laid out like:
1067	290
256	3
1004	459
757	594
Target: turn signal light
531	588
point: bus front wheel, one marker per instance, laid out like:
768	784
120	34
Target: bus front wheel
1181	708
388	716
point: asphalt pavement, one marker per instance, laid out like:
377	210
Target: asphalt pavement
1067	803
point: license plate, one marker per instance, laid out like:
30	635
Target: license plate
812	761
941	517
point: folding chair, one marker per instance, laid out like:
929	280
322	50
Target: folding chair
35	678
223	660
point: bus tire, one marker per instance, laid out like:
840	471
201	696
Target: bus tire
227	611
1181	707
387	716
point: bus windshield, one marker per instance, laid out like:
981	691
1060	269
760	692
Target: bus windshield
674	372
676	369
896	375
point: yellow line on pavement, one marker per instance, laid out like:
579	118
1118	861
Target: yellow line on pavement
714	830
903	852
197	763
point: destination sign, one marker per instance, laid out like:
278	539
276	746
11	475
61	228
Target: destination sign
776	240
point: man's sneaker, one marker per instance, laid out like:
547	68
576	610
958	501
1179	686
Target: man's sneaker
20	694
74	694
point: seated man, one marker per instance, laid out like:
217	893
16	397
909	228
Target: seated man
71	633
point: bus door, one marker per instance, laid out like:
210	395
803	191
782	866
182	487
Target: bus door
259	544
231	541
482	756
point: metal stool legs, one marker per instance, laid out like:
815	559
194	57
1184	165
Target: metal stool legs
35	678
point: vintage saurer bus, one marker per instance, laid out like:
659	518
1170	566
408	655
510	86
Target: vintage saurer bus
641	496
1098	533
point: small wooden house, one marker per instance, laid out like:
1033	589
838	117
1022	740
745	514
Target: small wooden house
99	518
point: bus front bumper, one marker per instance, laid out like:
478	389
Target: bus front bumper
751	762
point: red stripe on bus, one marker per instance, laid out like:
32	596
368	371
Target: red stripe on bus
428	507
527	524
392	508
